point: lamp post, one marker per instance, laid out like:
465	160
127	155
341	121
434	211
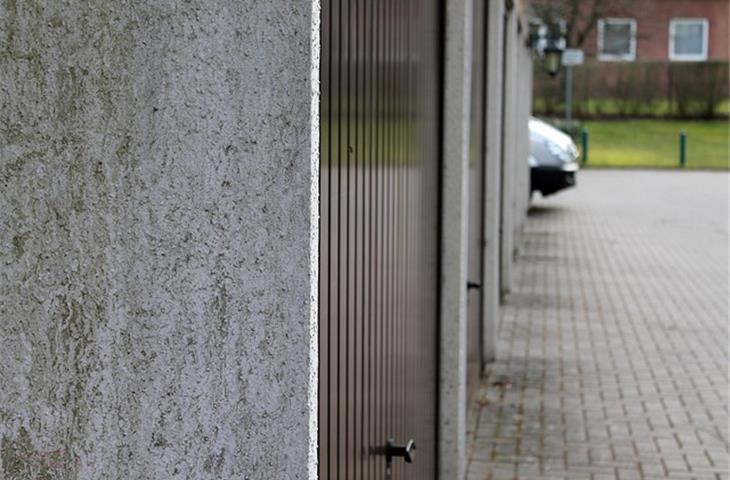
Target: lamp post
568	96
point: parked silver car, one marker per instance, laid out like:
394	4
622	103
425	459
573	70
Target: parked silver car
553	158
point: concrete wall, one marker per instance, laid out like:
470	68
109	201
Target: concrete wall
493	179
509	103
506	198
509	153
158	239
454	213
523	109
515	149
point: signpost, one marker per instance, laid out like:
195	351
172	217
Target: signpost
571	57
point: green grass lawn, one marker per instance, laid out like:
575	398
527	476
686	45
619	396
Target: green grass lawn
655	143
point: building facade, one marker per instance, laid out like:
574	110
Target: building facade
645	58
662	30
257	239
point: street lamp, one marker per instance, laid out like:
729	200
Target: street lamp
553	55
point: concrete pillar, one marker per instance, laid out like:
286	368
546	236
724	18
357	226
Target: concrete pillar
452	404
158	239
493	176
522	144
525	96
509	152
519	166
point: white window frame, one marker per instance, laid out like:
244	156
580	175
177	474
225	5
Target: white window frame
610	57
689	57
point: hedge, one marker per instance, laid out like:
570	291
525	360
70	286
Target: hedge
638	89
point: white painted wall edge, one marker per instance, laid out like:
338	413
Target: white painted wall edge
315	47
452	385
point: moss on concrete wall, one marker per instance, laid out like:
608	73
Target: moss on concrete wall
155	239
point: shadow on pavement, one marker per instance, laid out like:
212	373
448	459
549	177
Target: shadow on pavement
536	211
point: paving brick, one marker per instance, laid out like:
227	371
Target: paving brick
614	341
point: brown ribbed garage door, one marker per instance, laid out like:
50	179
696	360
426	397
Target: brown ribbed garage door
477	157
379	233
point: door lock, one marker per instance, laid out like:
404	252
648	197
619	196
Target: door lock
407	451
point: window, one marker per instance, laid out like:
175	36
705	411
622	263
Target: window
616	39
688	39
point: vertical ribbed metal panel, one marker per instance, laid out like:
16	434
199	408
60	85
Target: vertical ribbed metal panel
379	217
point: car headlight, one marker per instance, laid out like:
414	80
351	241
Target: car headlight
564	155
573	151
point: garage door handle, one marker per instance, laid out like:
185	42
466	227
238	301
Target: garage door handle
470	285
407	451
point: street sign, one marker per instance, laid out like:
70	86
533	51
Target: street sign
572	56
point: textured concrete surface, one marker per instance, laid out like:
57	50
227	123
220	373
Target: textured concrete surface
454	214
156	240
523	110
492	180
614	344
508	203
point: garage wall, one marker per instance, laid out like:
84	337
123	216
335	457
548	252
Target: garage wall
515	170
493	178
505	196
158	235
510	149
523	109
454	212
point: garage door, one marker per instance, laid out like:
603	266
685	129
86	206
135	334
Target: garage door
379	224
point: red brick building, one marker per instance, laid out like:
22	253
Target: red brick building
642	58
656	30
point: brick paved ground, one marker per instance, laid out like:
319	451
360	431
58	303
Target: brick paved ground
613	358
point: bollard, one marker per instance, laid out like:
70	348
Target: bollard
682	148
584	144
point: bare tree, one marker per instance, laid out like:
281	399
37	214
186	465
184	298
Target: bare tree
575	19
